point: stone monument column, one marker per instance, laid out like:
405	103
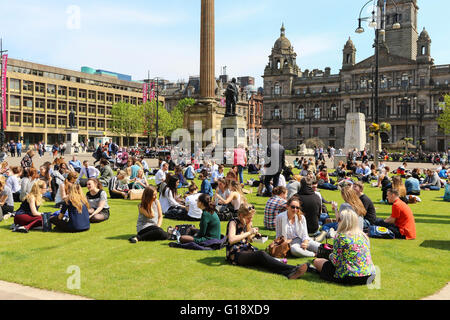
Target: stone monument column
207	51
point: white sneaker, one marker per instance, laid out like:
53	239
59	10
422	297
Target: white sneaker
332	233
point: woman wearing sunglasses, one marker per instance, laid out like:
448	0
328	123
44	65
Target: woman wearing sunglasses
240	233
291	224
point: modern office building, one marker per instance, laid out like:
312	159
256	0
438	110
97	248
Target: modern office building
40	98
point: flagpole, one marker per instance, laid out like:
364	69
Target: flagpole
2	131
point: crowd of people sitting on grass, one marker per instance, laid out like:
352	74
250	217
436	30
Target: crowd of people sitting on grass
295	208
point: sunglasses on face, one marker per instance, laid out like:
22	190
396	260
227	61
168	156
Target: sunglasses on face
295	207
251	207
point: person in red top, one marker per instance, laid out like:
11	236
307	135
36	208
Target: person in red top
401	221
240	160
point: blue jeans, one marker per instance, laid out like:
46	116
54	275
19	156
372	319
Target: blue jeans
328	226
322	218
48	195
241	173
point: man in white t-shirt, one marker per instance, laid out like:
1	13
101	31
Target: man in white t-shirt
160	176
194	212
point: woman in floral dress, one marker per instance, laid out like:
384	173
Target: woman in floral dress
350	262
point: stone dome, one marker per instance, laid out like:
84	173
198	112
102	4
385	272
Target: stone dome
349	43
282	42
424	35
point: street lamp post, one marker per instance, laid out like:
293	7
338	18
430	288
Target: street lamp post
378	23
157	111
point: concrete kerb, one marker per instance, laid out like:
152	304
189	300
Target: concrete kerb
14	291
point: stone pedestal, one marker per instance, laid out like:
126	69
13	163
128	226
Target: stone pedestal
72	137
233	132
355	132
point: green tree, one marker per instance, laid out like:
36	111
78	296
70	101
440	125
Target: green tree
444	118
126	119
178	111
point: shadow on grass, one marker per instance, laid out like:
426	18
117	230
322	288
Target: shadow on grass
436	244
214	261
121	237
432	221
431	216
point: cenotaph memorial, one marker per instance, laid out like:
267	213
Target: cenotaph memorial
355	132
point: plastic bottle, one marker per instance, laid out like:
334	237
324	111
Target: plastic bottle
283	260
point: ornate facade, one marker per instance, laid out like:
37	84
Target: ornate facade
304	104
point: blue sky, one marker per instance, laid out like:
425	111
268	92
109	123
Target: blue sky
135	36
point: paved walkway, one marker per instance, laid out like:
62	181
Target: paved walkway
13	291
15	161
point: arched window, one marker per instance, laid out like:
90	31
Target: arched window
423	50
278	64
349	57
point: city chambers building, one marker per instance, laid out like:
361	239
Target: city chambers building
305	104
40	99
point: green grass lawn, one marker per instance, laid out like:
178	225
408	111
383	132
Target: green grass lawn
112	268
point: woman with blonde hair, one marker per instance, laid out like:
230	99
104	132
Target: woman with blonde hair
291	224
352	202
140	182
239	251
77	207
27	216
351	261
397	183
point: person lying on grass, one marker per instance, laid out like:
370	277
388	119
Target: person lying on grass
77	207
209	223
98	201
150	218
351	261
240	252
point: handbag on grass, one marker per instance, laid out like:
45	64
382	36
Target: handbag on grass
324	250
46	224
279	248
380	233
136	194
